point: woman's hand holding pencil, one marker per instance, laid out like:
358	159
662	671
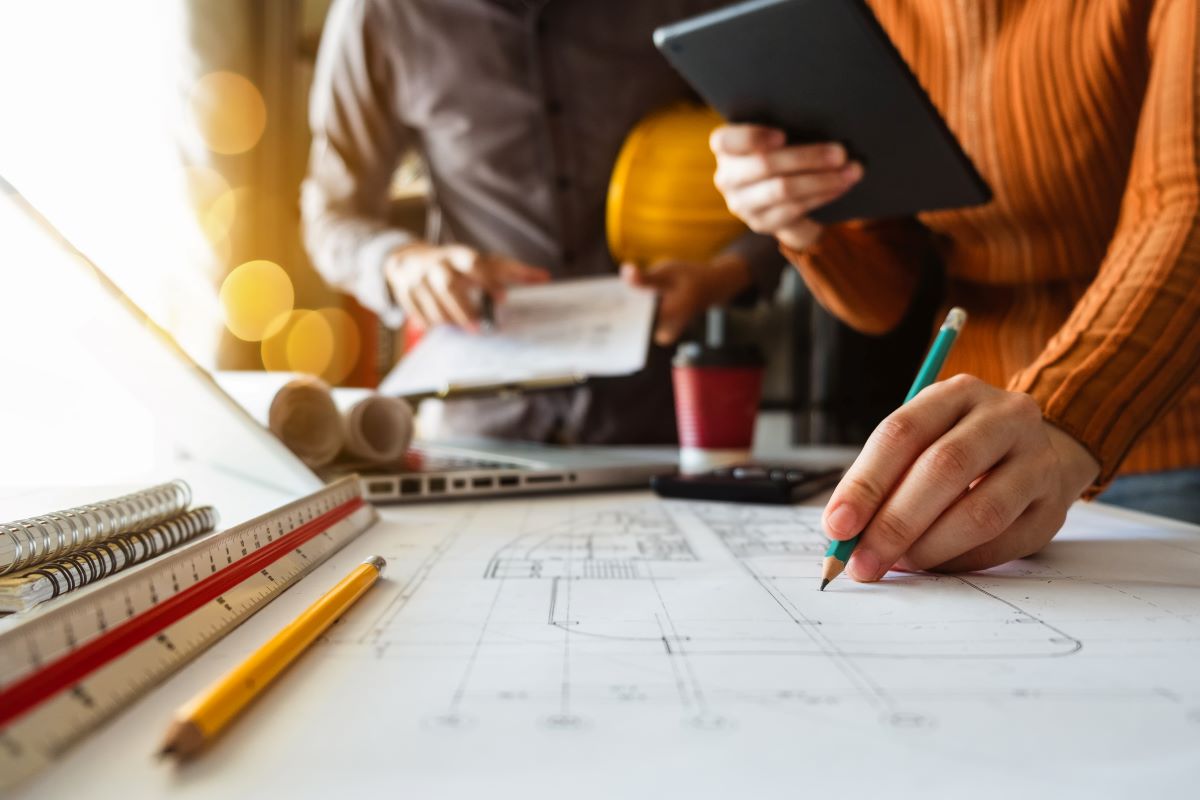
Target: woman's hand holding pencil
962	477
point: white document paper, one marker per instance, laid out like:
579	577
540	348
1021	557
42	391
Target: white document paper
622	646
578	328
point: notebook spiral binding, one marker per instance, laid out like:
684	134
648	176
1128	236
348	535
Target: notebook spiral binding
104	558
28	542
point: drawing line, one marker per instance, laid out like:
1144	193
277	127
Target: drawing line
680	651
410	587
1078	645
461	689
680	683
810	627
566	661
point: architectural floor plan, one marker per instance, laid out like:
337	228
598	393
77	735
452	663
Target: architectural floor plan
621	646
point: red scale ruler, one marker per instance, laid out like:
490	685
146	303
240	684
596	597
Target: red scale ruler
68	668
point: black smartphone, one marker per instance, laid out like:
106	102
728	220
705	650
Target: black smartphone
780	484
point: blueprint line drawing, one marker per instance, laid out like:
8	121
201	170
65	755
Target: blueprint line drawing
704	607
619	645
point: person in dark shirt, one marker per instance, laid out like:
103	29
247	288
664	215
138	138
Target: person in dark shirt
518	109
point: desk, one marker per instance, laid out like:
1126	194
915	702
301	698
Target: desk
683	651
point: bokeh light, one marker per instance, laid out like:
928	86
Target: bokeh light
325	343
310	344
257	297
213	202
347	344
304	343
228	112
274	347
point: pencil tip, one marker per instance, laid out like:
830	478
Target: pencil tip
824	583
183	740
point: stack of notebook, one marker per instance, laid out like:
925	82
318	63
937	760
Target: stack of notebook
46	556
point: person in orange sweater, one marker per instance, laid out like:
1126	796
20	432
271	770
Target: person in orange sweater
1081	360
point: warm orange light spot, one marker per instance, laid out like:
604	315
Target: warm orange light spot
213	202
219	219
347	344
310	345
274	347
325	343
257	297
302	342
228	111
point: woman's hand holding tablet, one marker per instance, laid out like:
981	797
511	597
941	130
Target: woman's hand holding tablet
772	187
820	72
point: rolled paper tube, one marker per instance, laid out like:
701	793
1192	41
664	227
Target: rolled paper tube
304	417
378	429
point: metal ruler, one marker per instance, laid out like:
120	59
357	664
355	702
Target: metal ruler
68	668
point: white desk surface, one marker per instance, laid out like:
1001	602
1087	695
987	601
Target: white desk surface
1069	703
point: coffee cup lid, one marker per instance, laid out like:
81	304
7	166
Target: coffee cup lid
695	354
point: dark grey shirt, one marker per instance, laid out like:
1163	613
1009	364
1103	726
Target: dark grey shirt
519	110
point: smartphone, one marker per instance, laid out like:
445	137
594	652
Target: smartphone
780	484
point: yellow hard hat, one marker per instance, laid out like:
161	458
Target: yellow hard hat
661	201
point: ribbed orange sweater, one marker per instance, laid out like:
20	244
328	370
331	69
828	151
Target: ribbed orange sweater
1082	277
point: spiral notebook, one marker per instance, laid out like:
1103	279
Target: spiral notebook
27	589
29	542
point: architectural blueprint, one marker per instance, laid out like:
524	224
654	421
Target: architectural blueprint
623	646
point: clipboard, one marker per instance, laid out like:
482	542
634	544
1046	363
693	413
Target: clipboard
457	391
550	336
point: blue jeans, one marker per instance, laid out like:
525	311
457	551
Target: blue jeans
1171	493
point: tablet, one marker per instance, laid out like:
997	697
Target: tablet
824	70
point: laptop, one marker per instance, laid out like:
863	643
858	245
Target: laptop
213	428
464	468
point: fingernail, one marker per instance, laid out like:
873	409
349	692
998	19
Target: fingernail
835	155
777	138
842	521
852	172
864	566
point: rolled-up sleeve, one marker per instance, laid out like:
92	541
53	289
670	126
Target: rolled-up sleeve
865	273
1132	346
358	138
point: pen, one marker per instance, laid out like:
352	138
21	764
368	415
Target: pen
200	721
487	312
838	553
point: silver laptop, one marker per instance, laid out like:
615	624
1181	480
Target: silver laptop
211	427
449	470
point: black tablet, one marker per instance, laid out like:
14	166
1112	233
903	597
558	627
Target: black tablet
825	71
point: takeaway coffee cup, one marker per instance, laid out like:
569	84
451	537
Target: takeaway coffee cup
717	390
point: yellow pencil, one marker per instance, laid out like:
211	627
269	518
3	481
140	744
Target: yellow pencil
201	720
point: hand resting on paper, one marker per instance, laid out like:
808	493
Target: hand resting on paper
965	476
439	284
687	288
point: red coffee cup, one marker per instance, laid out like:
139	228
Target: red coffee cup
716	404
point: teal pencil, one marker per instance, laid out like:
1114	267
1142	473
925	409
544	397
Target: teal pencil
838	553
